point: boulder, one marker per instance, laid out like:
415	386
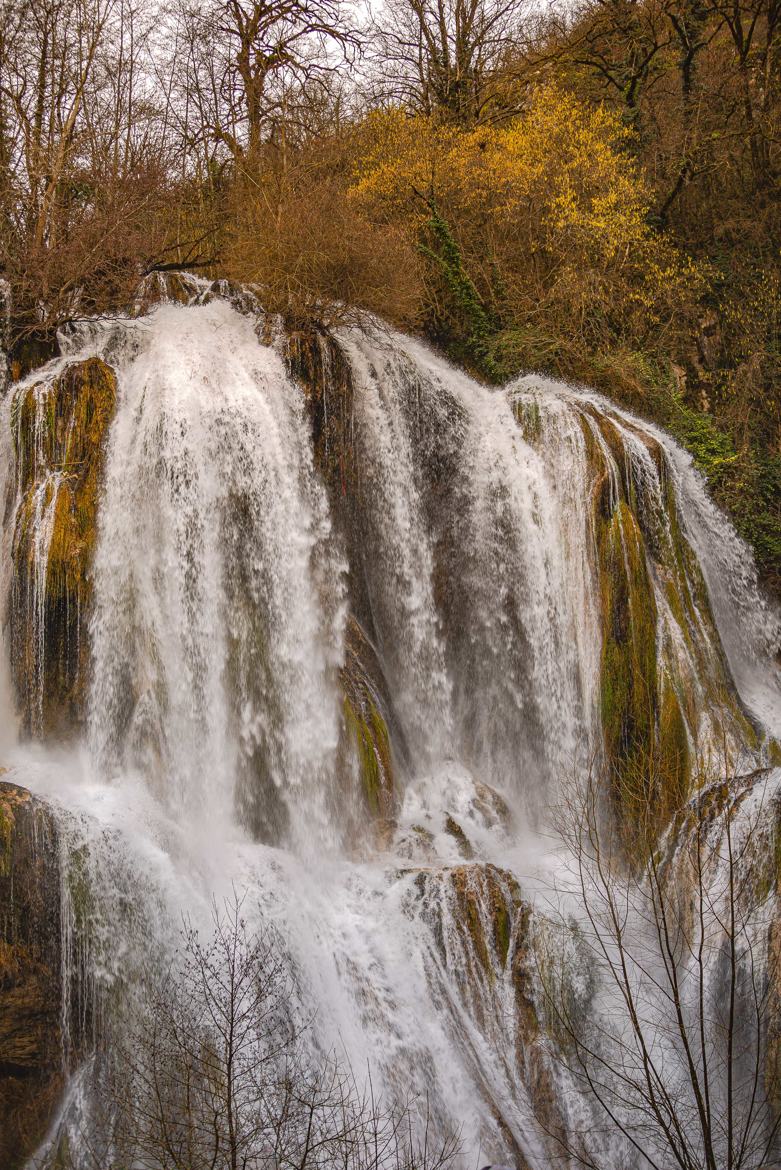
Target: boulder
482	962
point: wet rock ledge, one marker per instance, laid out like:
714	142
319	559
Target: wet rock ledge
32	1048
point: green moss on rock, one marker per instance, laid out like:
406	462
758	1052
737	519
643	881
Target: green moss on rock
528	415
628	693
666	692
454	830
673	752
59	437
370	735
489	902
366	707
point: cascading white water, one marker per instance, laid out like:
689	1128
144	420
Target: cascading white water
749	627
216	650
399	564
528	618
215	715
450	468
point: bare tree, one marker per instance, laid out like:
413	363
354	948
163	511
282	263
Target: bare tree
639	55
82	157
219	1072
245	66
674	1049
440	56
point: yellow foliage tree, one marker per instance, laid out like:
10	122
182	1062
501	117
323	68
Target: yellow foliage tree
548	215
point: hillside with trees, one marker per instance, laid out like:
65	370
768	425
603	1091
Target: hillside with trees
588	190
390	566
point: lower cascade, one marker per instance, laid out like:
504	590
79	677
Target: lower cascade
319	628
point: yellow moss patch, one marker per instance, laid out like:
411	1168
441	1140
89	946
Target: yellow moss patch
628	694
59	434
488	901
371	739
365	722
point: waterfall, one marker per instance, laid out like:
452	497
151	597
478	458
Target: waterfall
216	651
222	747
8	721
749	626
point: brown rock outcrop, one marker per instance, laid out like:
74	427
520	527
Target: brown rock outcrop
483	937
32	1052
59	432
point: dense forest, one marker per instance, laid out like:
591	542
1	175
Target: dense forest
588	190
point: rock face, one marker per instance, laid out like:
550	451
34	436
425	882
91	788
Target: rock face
33	1055
773	1023
667	702
482	940
59	431
369	723
318	363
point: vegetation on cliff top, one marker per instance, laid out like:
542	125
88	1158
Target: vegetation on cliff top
590	192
